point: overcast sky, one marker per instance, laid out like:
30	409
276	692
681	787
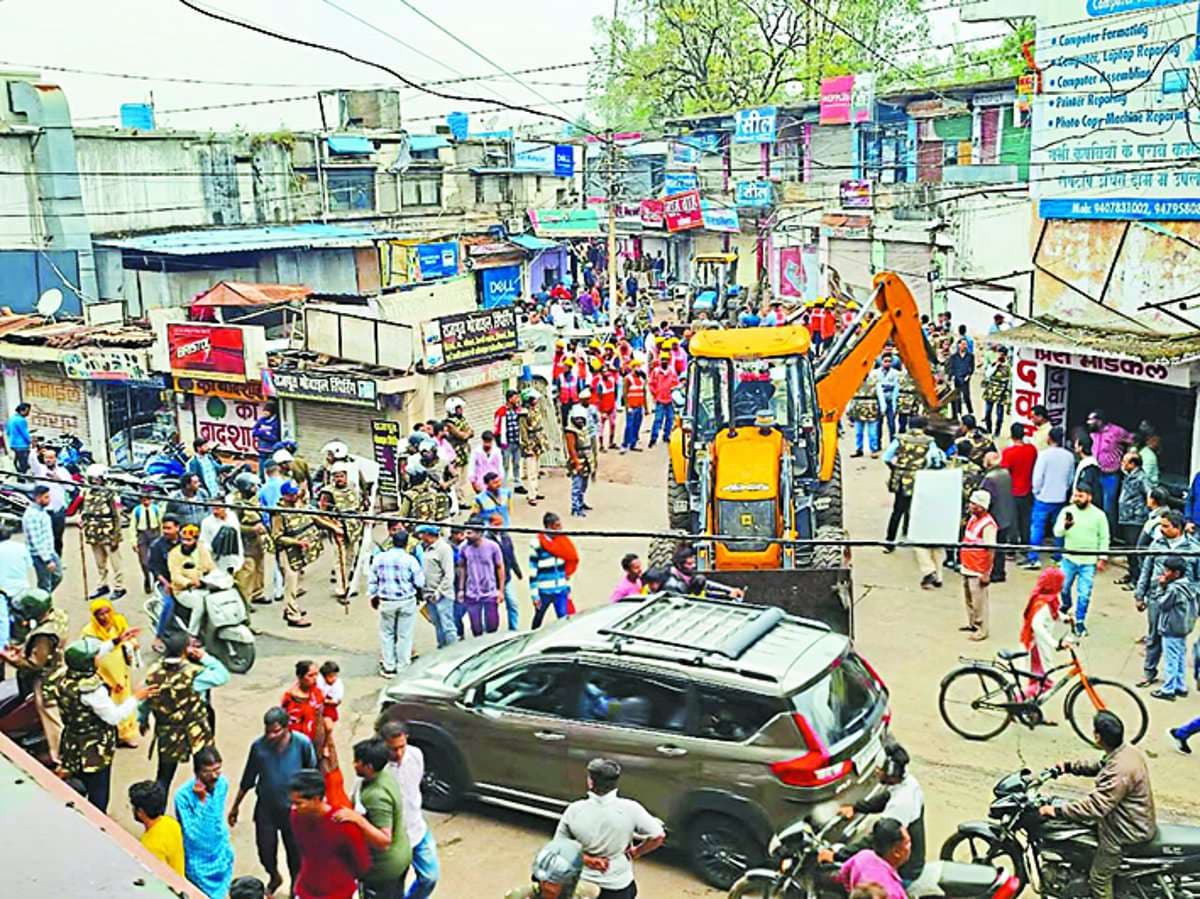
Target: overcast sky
163	38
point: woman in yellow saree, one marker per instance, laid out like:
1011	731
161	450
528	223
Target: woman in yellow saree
106	623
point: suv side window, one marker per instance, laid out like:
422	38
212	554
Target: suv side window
732	715
632	699
540	689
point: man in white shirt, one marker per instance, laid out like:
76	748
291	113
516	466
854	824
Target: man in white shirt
222	536
16	570
408	767
46	469
902	799
613	831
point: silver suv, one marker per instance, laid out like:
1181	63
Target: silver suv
729	720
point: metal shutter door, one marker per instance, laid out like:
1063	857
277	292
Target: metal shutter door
912	261
852	261
319	423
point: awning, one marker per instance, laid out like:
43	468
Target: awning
533	244
241	293
349	145
213	241
419	143
1052	334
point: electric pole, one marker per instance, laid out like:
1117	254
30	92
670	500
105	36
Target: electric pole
611	162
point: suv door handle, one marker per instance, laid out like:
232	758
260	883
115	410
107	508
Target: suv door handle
549	736
670	751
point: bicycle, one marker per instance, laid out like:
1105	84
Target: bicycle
992	690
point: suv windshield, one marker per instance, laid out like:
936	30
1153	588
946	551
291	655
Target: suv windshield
840	704
487	659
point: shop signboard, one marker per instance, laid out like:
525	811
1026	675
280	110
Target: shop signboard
1038	383
398	264
468	338
754	194
835	100
499	286
651	213
684	152
564	161
228	424
1116	366
799	272
249	391
56	403
565	222
213	351
707	142
755	126
682	212
385	440
718	218
855	193
107	364
324	386
437	260
1114	128
680	182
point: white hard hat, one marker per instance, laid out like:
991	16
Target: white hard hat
282	456
981	498
578	411
96	470
455	402
337	449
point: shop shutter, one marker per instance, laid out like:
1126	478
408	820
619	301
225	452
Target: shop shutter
481	405
911	261
929	161
316	424
989	134
831	154
59	404
852	260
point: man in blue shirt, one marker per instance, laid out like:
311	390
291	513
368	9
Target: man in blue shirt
887	390
205	467
16	432
39	538
393	584
273	759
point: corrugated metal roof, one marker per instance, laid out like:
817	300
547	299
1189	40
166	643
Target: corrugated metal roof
241	240
241	293
349	145
534	244
1050	333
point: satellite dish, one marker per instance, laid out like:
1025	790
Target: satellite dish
50	302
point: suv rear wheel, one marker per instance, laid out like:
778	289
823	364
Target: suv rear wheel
441	786
721	849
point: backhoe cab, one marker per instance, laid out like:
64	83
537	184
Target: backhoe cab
714	288
755	457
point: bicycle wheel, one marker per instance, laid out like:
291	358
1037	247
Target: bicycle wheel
968	702
1115	697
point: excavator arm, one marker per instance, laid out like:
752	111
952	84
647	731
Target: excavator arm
898	321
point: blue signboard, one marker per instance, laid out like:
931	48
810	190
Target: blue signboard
706	142
564	160
755	194
438	260
499	286
680	182
717	218
137	116
1183	209
755	126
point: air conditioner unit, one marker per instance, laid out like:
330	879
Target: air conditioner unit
516	225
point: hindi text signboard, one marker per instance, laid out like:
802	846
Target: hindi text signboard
324	387
469	338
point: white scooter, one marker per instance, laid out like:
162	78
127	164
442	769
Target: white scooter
216	616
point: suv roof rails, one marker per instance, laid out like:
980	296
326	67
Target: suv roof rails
699	659
704	626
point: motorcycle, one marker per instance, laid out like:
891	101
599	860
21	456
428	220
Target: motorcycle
1054	854
799	874
215	615
19	720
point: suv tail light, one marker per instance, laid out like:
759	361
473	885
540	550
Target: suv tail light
887	714
814	768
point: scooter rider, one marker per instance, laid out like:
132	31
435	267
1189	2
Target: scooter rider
1121	804
556	873
902	799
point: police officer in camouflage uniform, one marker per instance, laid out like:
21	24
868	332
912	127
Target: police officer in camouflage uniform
183	720
534	443
41	631
101	521
256	541
909	453
90	717
908	401
979	442
426	501
997	384
342	496
295	532
864	412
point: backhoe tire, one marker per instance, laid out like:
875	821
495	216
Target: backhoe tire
677	493
662	551
828	503
829	555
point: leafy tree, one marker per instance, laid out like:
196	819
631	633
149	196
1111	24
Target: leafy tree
662	58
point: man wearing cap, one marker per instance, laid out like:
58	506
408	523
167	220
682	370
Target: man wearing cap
533	442
39	537
612	830
295	533
1083	526
633	388
204	466
579	462
101	521
437	564
975	562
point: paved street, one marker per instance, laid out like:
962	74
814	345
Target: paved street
908	634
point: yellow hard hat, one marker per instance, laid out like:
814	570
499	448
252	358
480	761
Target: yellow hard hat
664	356
810	304
636	363
568	359
597	365
674	341
830	304
851	305
560	344
594	344
610	346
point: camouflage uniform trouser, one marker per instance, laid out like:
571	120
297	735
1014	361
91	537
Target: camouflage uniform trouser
108	565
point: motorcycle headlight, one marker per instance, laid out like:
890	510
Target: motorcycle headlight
774	846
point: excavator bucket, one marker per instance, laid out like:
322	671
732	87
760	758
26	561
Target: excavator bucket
822	594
